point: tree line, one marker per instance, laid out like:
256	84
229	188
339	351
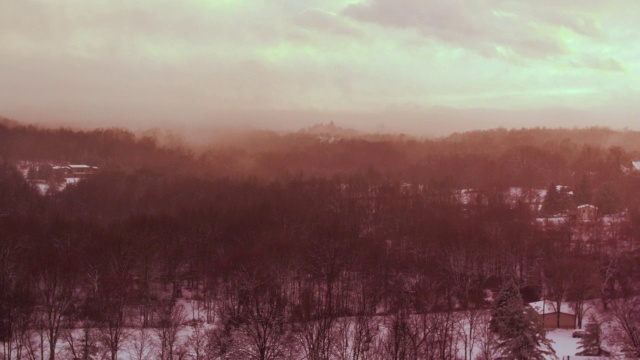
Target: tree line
120	250
351	264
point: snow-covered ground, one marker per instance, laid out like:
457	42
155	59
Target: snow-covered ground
563	343
43	187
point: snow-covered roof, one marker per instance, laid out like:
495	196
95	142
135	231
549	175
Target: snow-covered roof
635	165
552	220
587	206
549	307
80	166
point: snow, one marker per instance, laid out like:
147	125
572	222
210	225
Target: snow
615	218
563	343
559	220
69	181
587	206
467	196
636	165
42	188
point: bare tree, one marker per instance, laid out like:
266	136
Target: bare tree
355	337
22	329
260	325
558	276
463	276
17	303
487	341
315	329
220	342
83	347
171	317
197	343
583	285
147	273
142	344
468	328
626	315
55	285
113	292
434	334
608	268
396	342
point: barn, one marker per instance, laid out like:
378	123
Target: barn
548	313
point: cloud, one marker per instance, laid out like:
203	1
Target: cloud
325	21
162	59
61	24
486	27
597	63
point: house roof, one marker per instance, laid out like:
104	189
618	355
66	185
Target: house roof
587	206
557	220
549	307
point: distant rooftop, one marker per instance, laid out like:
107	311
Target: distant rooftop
556	220
587	206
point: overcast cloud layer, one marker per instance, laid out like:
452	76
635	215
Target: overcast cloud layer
427	66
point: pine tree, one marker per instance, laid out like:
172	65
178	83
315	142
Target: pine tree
552	202
583	191
591	344
520	333
501	315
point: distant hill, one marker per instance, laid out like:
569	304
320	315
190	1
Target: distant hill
594	136
330	130
518	157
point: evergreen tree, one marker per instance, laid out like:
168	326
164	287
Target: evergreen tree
583	193
520	333
501	315
591	344
552	202
608	200
557	200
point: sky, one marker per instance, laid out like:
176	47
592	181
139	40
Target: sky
427	67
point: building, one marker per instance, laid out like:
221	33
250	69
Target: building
552	318
587	212
75	171
82	170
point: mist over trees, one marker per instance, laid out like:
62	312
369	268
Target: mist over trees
281	241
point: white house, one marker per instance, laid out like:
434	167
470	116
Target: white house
587	212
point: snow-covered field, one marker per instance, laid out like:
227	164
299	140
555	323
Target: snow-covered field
562	342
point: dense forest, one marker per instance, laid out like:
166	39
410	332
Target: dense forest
280	237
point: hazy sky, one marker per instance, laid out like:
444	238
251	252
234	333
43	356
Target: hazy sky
427	66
